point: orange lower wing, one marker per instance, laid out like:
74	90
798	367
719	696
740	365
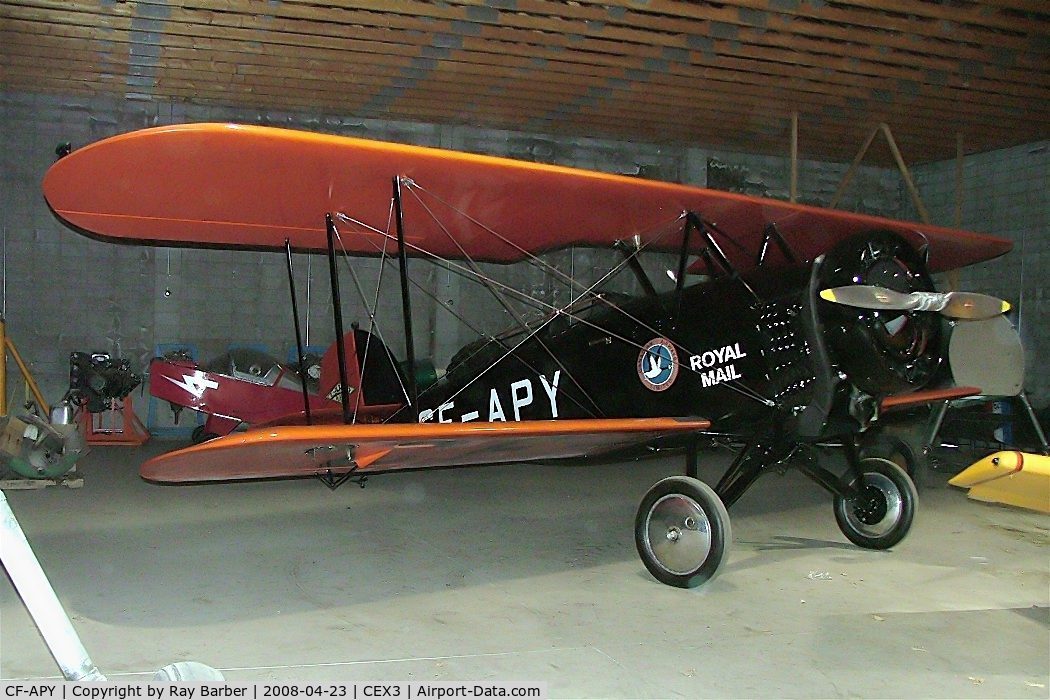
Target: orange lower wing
311	450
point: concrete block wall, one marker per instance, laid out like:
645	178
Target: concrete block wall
872	190
1006	193
64	292
67	292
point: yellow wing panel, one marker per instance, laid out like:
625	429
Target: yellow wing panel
1014	478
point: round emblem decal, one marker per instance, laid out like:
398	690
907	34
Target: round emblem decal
658	364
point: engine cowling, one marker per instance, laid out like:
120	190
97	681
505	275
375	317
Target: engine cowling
882	352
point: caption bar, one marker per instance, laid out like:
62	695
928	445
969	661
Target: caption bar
109	690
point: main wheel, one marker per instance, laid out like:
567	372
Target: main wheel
682	532
881	513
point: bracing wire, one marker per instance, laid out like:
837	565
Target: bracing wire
472	272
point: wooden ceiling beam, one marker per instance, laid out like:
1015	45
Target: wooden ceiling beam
859	58
653	22
663	70
776	68
681	90
712	133
666	111
820	50
985	16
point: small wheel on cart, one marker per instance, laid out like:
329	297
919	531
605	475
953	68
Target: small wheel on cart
682	532
199	435
880	514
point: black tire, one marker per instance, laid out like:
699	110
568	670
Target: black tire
882	513
682	532
894	448
198	436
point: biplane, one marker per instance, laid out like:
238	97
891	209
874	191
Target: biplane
248	386
787	330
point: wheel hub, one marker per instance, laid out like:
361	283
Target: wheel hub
876	507
871	506
678	533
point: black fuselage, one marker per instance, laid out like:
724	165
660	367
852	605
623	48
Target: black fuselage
715	352
756	354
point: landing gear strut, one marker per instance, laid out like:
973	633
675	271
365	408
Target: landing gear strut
682	529
200	435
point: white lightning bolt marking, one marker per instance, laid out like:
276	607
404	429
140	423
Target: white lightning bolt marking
195	383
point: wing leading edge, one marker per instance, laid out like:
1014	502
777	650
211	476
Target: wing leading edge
336	449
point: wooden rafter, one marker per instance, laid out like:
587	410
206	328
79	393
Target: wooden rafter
726	74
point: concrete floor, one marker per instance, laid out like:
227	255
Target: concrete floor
528	573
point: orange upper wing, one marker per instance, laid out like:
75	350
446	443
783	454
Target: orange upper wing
318	449
232	185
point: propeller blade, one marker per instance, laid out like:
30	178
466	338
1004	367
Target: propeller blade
868	297
971	306
968	306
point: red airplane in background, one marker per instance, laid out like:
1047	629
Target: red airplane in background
247	386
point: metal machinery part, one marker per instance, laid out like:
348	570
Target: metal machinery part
38	449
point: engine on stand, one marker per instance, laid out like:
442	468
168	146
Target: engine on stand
101	387
96	380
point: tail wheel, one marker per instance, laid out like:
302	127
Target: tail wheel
199	435
880	514
682	532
